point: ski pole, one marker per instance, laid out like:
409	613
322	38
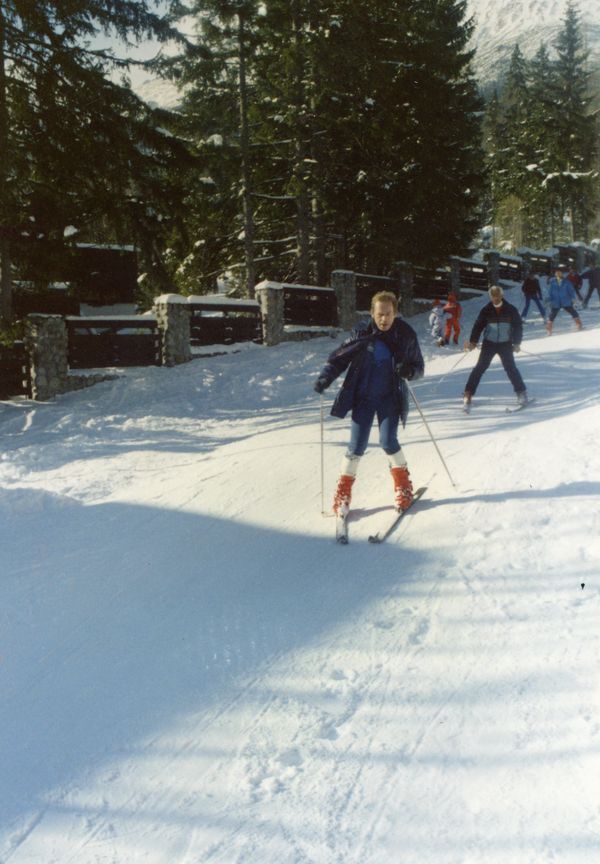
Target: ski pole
416	401
452	368
553	362
322	456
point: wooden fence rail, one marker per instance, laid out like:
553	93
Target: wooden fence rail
14	371
224	323
131	340
309	307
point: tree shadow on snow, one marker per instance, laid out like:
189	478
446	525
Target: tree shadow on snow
119	620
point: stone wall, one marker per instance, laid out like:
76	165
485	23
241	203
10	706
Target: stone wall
173	319
46	343
47	347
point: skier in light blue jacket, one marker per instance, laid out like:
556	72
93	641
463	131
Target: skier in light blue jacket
562	296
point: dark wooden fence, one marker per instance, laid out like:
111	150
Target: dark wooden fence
568	255
214	323
473	275
107	341
431	284
543	264
367	286
14	371
511	269
310	307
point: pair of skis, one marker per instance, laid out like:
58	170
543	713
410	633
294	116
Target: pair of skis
341	523
508	409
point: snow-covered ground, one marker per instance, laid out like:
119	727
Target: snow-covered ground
192	670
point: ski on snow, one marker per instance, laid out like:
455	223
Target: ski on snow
385	533
519	407
341	523
507	410
341	528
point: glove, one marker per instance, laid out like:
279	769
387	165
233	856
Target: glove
469	346
516	348
405	370
320	385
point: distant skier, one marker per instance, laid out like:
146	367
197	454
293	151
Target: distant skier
453	310
562	296
436	319
532	291
592	274
502	329
576	281
379	355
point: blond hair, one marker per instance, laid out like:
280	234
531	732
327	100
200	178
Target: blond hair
384	297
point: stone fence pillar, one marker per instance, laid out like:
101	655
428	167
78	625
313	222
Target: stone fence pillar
493	262
270	298
173	319
402	274
46	342
455	275
343	283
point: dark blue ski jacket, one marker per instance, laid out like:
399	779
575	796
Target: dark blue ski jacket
356	354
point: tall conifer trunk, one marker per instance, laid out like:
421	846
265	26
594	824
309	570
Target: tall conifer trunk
245	163
303	203
5	258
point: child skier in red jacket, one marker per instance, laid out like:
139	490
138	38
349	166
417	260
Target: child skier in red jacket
453	310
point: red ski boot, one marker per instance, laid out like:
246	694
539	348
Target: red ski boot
343	495
403	488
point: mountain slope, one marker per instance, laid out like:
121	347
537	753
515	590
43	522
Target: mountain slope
500	24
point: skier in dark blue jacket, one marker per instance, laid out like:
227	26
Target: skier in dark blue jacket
592	274
502	330
380	355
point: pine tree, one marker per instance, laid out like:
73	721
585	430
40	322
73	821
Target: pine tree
542	116
76	146
574	132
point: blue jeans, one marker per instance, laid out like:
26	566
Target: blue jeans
572	312
488	350
388	416
536	300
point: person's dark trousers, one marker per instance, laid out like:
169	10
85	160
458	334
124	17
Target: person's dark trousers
537	303
572	312
488	351
591	290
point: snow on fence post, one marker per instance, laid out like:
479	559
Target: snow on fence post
47	347
402	274
173	319
270	298
493	262
343	283
455	275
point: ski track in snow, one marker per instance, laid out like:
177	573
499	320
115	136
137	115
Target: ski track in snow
193	671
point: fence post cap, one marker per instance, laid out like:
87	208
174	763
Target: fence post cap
170	298
266	284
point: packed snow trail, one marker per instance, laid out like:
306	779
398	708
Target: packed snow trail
193	671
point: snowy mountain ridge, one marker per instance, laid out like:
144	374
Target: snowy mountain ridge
500	24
